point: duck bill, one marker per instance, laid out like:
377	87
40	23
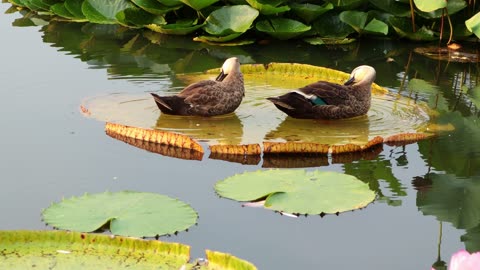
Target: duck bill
350	81
221	76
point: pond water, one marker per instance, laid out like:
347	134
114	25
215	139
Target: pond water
427	204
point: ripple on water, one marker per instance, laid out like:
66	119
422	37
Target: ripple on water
257	119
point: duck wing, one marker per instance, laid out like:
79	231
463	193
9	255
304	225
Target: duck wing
196	88
331	93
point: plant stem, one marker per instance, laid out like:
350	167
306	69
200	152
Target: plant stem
412	12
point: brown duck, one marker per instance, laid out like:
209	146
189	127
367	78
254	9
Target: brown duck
209	97
326	100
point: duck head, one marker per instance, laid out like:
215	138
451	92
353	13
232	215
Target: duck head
361	75
230	65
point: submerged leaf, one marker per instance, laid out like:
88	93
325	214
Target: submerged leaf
298	191
128	213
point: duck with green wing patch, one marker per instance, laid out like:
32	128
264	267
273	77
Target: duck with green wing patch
327	100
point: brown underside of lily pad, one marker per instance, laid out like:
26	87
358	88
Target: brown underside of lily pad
154	136
243	149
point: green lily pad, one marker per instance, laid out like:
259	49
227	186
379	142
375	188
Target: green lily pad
73	250
224	41
198	4
282	28
403	27
453	6
137	17
330	26
155	7
473	24
309	12
75	8
269	7
358	19
230	20
347	4
430	5
128	213
219	39
60	10
97	11
393	7
298	191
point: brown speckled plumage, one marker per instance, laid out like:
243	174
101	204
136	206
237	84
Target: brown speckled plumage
208	97
326	100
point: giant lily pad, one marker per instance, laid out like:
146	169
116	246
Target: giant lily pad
127	213
230	20
73	250
282	28
298	191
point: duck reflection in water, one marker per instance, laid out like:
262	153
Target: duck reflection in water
208	97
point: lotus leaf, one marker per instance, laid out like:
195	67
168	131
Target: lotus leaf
298	191
430	5
358	19
376	27
154	6
453	6
472	239
403	27
393	7
75	7
171	3
73	250
330	26
60	10
347	4
198	4
473	24
282	28
309	12
104	12
230	20
128	213
219	39
422	86
269	7
137	17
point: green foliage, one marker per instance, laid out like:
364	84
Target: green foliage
127	213
298	191
334	21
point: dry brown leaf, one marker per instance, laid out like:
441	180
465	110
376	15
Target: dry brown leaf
154	136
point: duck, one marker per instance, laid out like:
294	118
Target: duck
207	97
327	100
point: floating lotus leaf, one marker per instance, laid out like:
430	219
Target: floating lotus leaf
230	20
224	41
60	10
358	19
246	149
309	12
128	213
453	6
298	191
269	7
73	250
97	11
137	17
257	121
162	149
155	136
198	4
282	28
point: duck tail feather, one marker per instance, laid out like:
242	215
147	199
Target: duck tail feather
280	103
162	105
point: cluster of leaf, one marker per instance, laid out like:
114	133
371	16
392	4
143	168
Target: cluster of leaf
317	22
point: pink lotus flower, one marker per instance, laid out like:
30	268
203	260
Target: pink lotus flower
462	260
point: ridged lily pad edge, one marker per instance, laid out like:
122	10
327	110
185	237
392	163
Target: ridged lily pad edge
61	240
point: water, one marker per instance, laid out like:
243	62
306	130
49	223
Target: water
50	150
